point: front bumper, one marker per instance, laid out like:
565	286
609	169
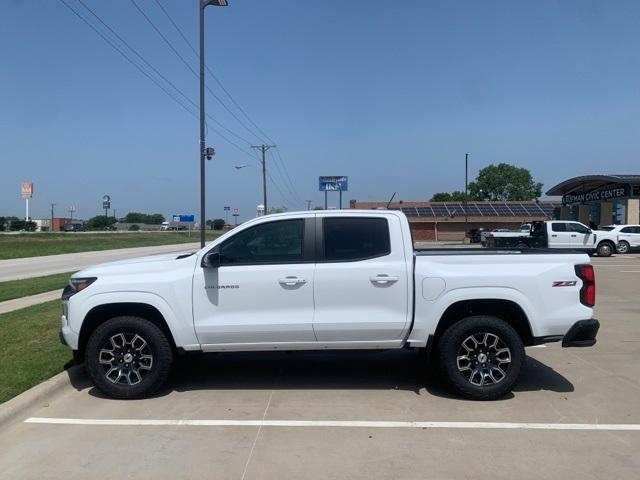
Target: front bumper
67	336
582	334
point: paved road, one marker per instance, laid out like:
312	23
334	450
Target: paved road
68	262
561	387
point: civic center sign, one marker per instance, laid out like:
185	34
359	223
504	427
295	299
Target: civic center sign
600	195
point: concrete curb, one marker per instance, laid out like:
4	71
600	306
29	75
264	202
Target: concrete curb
35	396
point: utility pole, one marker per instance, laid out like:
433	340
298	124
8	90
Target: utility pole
309	204
51	226
263	148
466	189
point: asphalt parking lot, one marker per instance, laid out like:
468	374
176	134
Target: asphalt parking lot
574	415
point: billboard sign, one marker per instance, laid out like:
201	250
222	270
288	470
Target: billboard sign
226	209
27	190
106	202
184	218
600	195
333	184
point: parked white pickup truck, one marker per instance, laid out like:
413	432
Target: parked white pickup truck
328	280
561	234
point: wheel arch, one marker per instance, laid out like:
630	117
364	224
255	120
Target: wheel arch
506	310
101	313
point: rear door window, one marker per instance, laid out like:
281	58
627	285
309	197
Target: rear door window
559	227
355	238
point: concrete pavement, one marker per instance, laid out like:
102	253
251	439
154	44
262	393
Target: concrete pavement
19	268
588	387
18	303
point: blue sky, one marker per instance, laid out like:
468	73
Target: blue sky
391	94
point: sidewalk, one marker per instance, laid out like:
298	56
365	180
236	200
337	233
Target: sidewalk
18	303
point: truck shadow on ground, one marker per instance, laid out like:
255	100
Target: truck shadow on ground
348	370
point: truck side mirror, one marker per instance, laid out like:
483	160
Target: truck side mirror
589	230
211	260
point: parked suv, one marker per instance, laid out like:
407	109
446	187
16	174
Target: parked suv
628	236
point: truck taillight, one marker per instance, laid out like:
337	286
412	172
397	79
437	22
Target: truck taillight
588	290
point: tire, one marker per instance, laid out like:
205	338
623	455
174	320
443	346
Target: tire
471	378
522	246
605	249
624	247
128	357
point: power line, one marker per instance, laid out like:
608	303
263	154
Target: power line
182	59
287	182
126	57
119	50
213	75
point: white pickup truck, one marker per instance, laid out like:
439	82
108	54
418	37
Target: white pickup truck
325	280
561	234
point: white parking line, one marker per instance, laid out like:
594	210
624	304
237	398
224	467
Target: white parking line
629	271
336	424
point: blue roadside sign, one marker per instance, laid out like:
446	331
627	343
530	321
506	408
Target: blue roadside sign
333	184
184	218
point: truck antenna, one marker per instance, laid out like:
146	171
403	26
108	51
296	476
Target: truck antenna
391	199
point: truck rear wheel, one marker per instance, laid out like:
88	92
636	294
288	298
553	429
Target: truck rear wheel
480	357
128	357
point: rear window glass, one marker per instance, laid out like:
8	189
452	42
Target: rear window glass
559	227
351	239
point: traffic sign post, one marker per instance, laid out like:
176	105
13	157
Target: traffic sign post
235	216
106	204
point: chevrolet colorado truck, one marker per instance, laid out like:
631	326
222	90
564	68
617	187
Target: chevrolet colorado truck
328	280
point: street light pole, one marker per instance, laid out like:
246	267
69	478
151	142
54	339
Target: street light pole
53	205
466	189
202	4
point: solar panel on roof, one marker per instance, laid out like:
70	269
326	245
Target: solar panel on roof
410	211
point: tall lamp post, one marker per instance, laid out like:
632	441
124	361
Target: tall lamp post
264	180
202	5
466	190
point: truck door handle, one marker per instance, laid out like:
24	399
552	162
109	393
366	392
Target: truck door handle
383	279
573	235
554	236
291	281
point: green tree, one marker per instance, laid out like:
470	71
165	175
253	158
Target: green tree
100	223
218	224
455	196
441	197
137	217
134	228
504	182
18	225
277	209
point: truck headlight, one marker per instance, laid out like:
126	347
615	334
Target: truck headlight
76	285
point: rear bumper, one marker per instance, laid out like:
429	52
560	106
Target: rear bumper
582	334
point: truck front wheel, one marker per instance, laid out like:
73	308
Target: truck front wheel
480	357
128	357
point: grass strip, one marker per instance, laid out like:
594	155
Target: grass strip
38	244
32	286
31	351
